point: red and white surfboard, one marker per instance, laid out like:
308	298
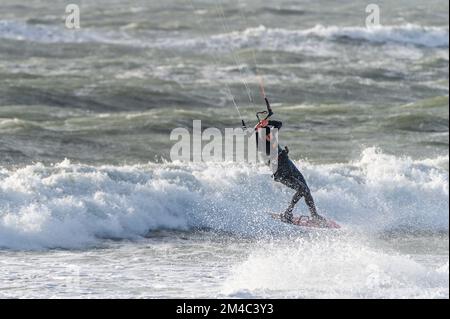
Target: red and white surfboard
306	221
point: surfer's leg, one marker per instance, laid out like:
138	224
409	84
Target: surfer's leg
311	205
302	191
299	187
308	197
288	214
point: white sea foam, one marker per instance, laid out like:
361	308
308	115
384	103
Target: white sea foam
405	34
350	270
312	39
259	37
69	205
21	31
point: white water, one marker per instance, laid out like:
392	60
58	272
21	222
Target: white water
244	253
275	38
173	265
330	268
73	206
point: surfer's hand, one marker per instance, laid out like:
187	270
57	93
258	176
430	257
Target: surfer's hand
262	123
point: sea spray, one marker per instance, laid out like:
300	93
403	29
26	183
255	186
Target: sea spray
72	205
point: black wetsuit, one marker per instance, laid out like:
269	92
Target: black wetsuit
288	174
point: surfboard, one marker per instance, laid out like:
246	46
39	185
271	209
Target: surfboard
306	221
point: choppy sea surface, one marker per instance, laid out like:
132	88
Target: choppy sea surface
92	206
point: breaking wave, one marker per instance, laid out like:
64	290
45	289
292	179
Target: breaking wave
259	37
72	205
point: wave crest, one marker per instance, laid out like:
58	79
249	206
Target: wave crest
257	37
69	205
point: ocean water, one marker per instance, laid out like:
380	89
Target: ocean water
91	205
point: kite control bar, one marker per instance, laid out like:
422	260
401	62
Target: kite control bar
258	114
268	113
